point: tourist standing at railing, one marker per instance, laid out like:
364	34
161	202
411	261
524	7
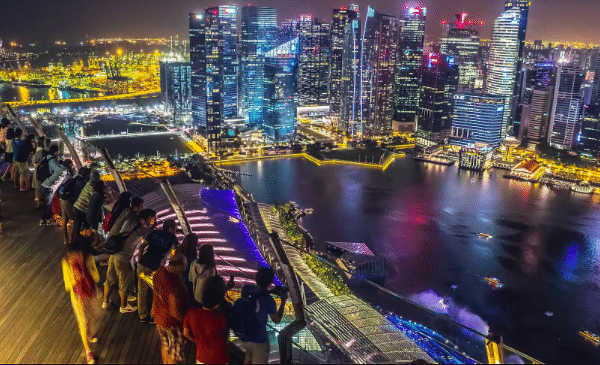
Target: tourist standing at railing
122	204
189	249
49	173
43	146
151	253
81	205
4	126
68	192
1	196
208	328
201	271
6	136
81	277
251	313
127	215
21	151
94	211
170	304
120	272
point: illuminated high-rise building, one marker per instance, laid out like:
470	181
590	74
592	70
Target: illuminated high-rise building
176	87
280	91
407	82
595	98
197	25
477	119
341	17
350	103
313	62
288	30
537	116
440	79
462	42
503	59
567	107
259	35
379	47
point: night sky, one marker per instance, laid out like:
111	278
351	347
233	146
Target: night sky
27	21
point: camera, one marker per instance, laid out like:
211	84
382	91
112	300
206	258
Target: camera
278	290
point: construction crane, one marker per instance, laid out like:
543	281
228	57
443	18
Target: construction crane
115	83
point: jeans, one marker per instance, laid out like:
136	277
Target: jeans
144	297
47	203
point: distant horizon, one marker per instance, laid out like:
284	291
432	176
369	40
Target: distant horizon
71	20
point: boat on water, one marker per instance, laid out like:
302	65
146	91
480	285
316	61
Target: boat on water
494	282
583	188
485	235
590	336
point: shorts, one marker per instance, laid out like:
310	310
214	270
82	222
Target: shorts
256	353
22	168
68	212
172	339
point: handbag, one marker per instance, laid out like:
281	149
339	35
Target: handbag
114	244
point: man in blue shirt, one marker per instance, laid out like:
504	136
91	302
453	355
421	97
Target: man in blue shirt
158	244
257	349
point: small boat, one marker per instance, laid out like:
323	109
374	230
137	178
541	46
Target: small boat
494	282
590	336
485	235
582	188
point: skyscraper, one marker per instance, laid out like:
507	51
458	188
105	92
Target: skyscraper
341	17
176	88
280	91
439	84
407	80
535	121
477	119
462	42
259	35
504	55
313	63
350	103
567	108
197	25
378	62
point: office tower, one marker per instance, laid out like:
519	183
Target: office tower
462	42
522	6
595	98
280	91
341	17
350	104
313	63
197	30
440	79
535	120
590	134
504	55
407	82
289	29
477	119
176	87
567	107
543	74
538	45
259	35
379	47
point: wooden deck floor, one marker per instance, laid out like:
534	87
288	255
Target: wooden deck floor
37	324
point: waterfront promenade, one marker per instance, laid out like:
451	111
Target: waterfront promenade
37	324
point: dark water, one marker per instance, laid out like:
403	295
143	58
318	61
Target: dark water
425	218
10	92
113	124
148	145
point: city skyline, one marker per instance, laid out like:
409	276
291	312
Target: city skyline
71	21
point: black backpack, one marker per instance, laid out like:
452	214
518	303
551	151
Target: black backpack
43	169
244	322
66	190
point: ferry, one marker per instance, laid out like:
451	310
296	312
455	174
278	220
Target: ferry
590	336
583	188
485	235
494	282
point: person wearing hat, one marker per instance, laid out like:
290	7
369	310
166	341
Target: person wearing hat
57	169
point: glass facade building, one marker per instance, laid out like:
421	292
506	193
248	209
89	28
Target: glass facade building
477	119
567	108
259	35
462	42
197	31
313	67
407	80
280	92
350	103
503	60
341	17
176	87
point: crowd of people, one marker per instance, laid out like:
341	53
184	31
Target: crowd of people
174	285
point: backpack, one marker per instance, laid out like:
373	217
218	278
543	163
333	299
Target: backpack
245	322
114	244
43	169
66	190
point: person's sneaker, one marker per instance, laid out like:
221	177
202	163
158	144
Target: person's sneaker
43	223
131	298
129	309
90	358
104	305
148	320
52	223
93	339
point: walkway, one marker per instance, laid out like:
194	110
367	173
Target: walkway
37	324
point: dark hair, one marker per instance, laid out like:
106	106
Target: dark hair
207	256
121	204
81	244
40	141
53	149
212	297
264	277
18	133
146	214
169	224
94	175
31	138
10	133
5	122
189	245
98	186
136	202
85	172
